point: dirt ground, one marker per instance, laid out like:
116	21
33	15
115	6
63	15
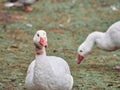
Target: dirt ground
67	23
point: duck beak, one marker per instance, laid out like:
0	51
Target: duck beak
79	59
43	41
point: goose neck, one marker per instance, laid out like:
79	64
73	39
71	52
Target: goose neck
40	52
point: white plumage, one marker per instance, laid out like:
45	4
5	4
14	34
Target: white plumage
47	72
108	41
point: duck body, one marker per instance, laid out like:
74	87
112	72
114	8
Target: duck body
114	35
109	40
12	0
23	1
27	1
48	72
26	4
53	75
29	78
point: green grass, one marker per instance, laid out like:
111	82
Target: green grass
67	25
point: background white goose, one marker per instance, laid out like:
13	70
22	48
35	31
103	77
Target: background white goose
18	3
47	72
109	41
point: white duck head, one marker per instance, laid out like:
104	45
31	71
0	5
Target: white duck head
40	40
86	47
83	50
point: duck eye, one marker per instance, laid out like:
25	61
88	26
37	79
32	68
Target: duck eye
38	35
81	51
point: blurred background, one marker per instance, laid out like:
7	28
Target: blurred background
67	23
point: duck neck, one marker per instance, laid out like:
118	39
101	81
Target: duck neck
102	40
40	55
94	38
40	52
89	42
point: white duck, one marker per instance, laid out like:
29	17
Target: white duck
18	3
47	72
109	41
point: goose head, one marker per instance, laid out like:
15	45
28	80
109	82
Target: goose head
40	40
82	51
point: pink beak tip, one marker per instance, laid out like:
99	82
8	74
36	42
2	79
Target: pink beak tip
43	42
79	59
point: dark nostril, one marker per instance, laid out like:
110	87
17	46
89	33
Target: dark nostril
38	35
46	46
